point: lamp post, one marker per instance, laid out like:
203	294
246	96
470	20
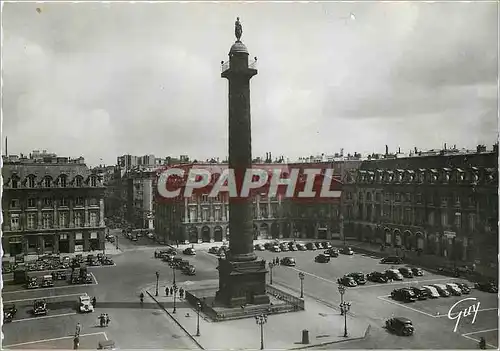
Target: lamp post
271	266
301	277
344	307
173	270
261	320
157	278
175	295
198	305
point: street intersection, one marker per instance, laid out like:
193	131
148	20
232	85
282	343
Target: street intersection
117	291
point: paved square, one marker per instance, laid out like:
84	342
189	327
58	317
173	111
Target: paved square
87	342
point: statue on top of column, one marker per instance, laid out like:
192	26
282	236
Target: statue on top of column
238	29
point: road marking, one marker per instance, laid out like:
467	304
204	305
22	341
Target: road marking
95	279
482	310
410	308
477	340
43	297
480	331
43	317
54	287
55	339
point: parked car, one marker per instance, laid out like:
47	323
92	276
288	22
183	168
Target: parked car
346	251
393	274
358	277
453	289
326	245
442	290
9	312
347	281
87	279
431	292
59	275
275	248
417	272
464	287
377	277
321	258
449	271
189	251
85	304
332	252
259	247
284	247
107	261
392	259
292	246
40	308
406	272
311	246
288	261
404	294
215	249
32	283
318	245
400	325
47	281
487	287
270	244
420	293
189	270
160	253
301	247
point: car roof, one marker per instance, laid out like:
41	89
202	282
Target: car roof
403	320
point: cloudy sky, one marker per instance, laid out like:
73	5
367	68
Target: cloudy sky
101	80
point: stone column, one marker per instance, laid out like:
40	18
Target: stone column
101	212
86	214
258	207
269	213
316	231
186	213
198	210
39	213
71	219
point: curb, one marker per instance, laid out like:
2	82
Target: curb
367	333
176	321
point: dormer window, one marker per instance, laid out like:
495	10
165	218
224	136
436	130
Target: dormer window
79	181
31	182
93	181
47	182
15	183
446	175
460	175
63	181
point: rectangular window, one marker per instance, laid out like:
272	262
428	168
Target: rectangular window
14	203
14	222
93	219
397	197
31	182
78	236
32	220
47	220
63	202
63	182
31	203
78	219
79	201
63	236
93	235
93	201
63	219
15	184
47	202
204	214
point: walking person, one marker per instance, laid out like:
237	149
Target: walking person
76	343
78	330
181	293
482	343
171	291
94	302
166	291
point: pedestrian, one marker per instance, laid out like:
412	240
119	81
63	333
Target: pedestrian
171	291
78	329
166	291
482	343
94	301
181	293
76	343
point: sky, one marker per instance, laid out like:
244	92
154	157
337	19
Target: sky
102	80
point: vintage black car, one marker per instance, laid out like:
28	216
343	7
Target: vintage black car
404	294
464	287
406	272
393	274
311	246
332	252
189	251
417	272
487	287
392	259
47	281
420	293
284	247
87	279
358	277
301	247
377	277
215	249
59	275
347	281
346	251
107	261
32	283
9	312
40	308
318	245
400	325
257	247
321	258
449	271
292	246
326	245
160	253
288	261
189	270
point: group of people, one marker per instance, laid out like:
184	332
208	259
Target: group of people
276	261
170	291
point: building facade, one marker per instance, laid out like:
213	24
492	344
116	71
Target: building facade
445	205
51	205
139	196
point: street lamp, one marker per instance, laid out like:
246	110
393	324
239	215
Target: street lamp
157	278
344	307
301	277
173	270
198	305
116	241
261	320
175	295
271	266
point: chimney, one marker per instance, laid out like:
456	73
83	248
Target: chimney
399	150
387	150
445	146
270	158
415	149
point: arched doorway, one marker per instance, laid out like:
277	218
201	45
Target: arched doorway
388	236
407	239
322	231
275	230
205	234
218	234
193	235
310	231
264	231
420	241
397	238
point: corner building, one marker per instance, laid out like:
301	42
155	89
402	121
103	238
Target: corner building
51	205
444	205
